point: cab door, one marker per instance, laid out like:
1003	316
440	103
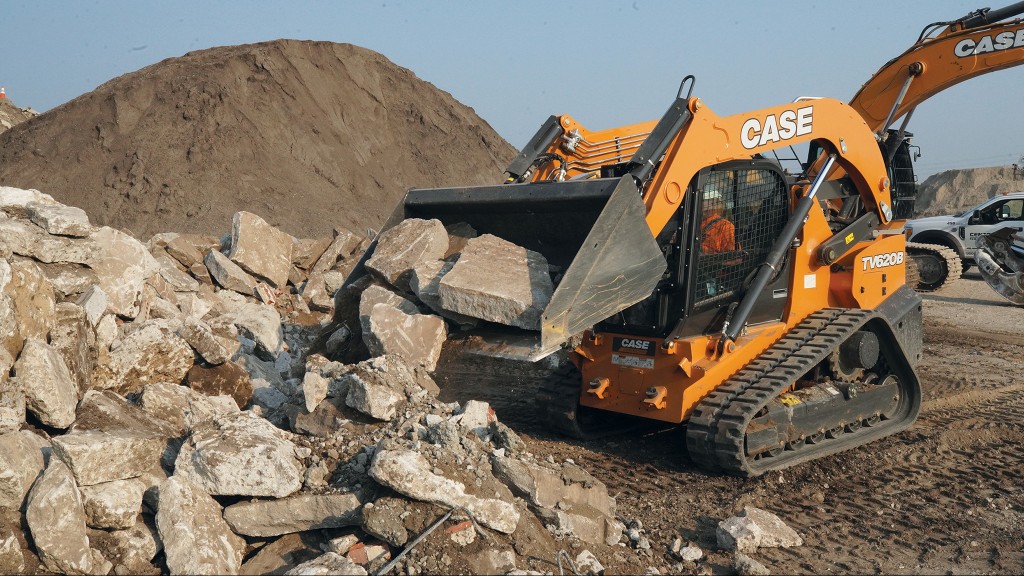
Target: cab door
995	216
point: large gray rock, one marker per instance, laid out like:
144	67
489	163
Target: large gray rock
378	387
201	338
94	301
18	199
417	338
59	219
195	537
298	513
113	505
377	294
328	564
410	474
401	248
68	280
240	455
22	459
56	520
341	247
261	249
425	283
27	304
50	391
177	279
314	389
260	323
229	275
151	353
754	528
122	265
74	339
106	411
95	457
497	281
183	408
26	239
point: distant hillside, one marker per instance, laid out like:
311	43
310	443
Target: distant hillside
954	191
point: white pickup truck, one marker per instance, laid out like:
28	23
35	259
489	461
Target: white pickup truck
961	232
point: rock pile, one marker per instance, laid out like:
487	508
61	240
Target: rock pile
161	411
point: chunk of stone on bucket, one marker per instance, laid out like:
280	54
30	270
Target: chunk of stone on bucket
416	337
497	281
401	248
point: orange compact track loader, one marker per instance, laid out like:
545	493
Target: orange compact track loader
692	280
698	282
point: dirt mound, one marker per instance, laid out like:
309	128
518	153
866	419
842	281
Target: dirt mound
11	114
309	135
953	191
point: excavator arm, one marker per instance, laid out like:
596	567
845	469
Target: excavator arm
945	54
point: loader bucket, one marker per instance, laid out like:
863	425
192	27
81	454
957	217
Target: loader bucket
593	231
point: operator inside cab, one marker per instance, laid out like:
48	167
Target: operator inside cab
717	232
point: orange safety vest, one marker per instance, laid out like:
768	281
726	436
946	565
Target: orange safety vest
719	235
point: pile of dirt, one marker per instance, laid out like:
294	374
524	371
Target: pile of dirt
315	134
11	114
953	191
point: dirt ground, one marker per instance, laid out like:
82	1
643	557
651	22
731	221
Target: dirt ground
946	496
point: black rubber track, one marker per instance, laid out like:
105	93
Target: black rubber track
716	430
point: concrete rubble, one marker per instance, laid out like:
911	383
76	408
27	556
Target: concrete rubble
157	415
754	528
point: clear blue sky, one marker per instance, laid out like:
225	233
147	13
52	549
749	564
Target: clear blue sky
515	63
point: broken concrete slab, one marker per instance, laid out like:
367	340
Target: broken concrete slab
261	249
497	281
107	411
341	247
56	519
26	239
94	301
201	338
408	473
195	537
755	528
258	322
401	248
30	304
23	457
74	339
95	457
297	513
178	280
417	338
59	219
240	454
50	391
122	264
68	280
113	505
183	408
326	564
378	387
314	389
151	353
229	275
